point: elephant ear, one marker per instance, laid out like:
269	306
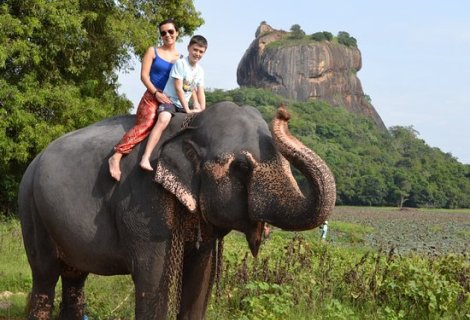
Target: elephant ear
177	169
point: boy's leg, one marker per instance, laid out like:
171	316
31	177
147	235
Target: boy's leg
163	120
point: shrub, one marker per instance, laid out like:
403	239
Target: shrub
322	36
346	39
318	36
296	32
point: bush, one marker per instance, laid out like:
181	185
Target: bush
322	36
296	32
344	38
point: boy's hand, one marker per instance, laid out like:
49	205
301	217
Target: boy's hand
197	107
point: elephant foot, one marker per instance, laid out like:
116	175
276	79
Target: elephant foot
72	313
40	306
145	164
114	168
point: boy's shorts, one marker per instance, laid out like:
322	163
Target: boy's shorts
169	107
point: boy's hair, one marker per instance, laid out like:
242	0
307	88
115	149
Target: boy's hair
199	40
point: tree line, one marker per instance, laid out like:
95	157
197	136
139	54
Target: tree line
342	37
371	167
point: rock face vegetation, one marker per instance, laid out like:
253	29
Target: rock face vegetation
307	68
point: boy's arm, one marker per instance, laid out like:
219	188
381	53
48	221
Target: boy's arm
196	104
200	94
201	97
180	94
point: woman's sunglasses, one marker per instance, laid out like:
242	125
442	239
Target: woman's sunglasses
170	32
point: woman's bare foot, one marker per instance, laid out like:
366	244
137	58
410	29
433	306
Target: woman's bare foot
114	168
145	164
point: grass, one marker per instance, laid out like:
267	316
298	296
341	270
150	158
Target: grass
296	276
350	232
433	210
15	275
14	271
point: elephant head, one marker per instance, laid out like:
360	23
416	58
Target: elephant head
230	168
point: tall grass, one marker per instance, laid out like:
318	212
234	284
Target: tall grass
294	277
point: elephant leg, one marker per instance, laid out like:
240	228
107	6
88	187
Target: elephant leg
73	296
45	266
42	296
149	281
197	281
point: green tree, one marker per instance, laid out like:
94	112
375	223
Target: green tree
296	32
322	36
59	62
318	36
344	38
402	188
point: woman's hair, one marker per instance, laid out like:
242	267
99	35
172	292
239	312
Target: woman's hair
166	22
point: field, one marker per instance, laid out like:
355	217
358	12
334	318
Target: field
377	263
435	231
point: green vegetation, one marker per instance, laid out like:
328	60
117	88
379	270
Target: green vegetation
297	36
322	36
296	32
346	39
350	232
58	69
295	277
371	167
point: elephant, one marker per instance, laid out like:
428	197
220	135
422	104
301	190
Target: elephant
216	171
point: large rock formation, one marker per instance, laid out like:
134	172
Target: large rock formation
306	70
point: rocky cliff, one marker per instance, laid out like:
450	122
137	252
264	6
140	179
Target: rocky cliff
305	70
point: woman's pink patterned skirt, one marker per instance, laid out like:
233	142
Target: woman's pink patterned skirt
145	120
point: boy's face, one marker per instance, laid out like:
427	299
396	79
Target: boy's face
196	52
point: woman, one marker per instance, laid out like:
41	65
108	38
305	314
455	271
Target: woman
155	70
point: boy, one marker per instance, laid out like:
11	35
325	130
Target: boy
186	80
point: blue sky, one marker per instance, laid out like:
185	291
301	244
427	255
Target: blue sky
415	56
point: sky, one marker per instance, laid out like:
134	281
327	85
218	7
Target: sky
415	56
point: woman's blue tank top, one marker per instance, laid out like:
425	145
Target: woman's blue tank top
160	71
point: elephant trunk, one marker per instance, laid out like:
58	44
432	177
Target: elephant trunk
287	207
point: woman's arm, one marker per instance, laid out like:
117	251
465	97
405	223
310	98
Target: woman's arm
145	69
145	76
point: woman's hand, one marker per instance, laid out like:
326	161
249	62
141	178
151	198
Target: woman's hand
162	98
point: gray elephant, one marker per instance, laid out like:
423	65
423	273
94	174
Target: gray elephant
218	171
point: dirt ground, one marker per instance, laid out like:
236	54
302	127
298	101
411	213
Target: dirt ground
430	231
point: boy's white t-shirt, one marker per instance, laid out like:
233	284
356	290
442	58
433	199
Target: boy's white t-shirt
192	76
